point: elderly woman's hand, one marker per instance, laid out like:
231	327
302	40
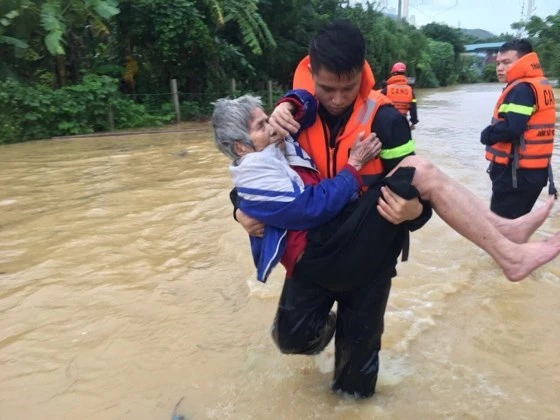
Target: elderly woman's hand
363	150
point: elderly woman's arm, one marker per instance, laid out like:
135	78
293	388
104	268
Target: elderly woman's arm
275	198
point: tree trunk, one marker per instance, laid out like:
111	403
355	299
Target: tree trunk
60	70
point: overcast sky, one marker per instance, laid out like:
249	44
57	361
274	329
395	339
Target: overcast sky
495	16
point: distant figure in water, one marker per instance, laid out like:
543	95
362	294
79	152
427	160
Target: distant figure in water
401	93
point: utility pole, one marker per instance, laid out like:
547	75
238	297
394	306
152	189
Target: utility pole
530	9
402	10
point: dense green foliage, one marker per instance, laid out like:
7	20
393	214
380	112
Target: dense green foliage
36	112
66	66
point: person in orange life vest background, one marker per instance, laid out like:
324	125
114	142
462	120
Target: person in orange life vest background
401	93
519	140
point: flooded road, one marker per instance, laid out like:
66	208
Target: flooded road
126	288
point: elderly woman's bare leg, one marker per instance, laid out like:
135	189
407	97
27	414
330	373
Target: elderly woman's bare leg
470	217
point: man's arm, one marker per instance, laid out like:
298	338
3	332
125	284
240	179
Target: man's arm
393	130
518	106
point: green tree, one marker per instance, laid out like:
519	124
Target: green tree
445	33
545	35
60	25
198	42
387	41
489	73
442	62
293	23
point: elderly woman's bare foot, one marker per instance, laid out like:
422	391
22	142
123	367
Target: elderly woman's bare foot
520	230
532	256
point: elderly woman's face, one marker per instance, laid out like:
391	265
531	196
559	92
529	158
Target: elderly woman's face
260	131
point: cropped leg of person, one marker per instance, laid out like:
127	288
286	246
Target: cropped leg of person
471	218
513	203
304	323
358	337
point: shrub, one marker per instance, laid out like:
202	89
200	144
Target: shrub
37	112
489	73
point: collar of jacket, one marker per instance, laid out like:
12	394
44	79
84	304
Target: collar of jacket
399	79
303	79
526	66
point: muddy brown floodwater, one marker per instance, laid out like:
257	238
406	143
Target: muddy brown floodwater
125	286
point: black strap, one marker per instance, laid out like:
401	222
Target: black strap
406	246
551	187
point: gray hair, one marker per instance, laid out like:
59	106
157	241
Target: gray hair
230	120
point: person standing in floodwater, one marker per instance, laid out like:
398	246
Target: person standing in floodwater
401	93
519	140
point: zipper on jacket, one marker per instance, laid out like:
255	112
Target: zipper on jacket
326	136
331	143
335	151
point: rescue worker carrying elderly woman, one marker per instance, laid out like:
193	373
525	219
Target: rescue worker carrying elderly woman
351	258
319	228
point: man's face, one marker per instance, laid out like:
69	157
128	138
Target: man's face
260	131
334	92
504	60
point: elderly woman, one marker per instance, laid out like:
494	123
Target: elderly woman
271	184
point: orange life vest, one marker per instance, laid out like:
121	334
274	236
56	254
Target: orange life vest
536	145
399	92
315	139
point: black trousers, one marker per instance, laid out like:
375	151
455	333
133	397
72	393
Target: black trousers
510	202
350	260
514	202
304	324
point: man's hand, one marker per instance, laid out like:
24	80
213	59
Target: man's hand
252	226
396	209
282	120
412	127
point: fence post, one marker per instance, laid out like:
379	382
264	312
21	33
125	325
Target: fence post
110	117
270	104
233	87
175	99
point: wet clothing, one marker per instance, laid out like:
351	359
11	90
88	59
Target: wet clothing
345	261
345	252
288	194
305	325
519	141
402	95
